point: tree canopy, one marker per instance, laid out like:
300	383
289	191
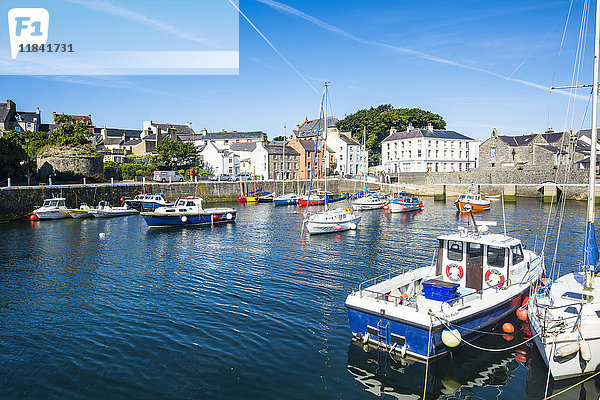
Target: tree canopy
69	132
378	121
174	153
11	157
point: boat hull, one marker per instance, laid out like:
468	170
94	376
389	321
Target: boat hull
304	202
205	218
51	214
368	206
477	207
112	213
416	335
79	214
284	202
315	228
398	207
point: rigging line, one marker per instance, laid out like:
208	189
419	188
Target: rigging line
315	158
579	59
273	47
558	56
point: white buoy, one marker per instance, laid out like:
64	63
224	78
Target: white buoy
352	225
102	234
585	351
183	218
228	216
451	338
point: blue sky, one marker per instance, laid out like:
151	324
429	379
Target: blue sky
449	57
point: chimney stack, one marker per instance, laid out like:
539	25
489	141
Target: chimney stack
409	128
430	127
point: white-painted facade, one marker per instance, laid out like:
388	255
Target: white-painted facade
428	150
220	161
347	152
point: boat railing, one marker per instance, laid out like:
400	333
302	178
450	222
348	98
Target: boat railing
548	321
465	298
383	277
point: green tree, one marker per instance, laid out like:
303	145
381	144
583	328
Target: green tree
174	153
279	138
69	132
378	121
11	156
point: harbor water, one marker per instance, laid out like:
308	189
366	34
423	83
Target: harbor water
108	308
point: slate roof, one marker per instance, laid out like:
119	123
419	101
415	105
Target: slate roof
553	137
522	140
243	146
117	132
183	129
309	128
307	145
275	148
132	142
552	149
4	111
257	135
349	140
426	133
110	141
26	116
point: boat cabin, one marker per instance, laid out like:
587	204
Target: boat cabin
57	202
477	262
468	197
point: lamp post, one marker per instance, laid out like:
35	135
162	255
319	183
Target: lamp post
27	151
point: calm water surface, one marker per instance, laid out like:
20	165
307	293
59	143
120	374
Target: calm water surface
249	310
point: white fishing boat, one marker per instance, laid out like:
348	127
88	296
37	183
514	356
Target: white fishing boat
334	220
105	210
51	209
79	213
474	281
371	201
565	315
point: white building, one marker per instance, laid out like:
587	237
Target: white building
254	158
347	152
424	150
219	161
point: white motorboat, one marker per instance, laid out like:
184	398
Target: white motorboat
371	201
105	210
52	209
81	212
565	315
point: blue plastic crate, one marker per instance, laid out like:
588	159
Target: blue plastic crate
439	290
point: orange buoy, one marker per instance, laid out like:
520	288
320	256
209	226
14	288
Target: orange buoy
404	295
522	314
525	301
386	207
508	328
33	217
508	337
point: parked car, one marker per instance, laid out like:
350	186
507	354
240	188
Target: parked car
166	176
244	176
222	177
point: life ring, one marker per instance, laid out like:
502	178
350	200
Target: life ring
498	278
347	210
454	272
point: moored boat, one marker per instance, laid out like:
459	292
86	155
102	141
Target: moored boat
474	200
286	199
371	201
476	281
81	212
52	209
334	220
105	210
405	202
145	202
189	211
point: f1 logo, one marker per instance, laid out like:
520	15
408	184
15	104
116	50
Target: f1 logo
27	26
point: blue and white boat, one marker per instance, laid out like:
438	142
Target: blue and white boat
286	199
189	211
405	202
145	202
475	281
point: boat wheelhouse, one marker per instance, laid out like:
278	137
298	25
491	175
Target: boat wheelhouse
405	202
146	202
471	201
52	209
476	281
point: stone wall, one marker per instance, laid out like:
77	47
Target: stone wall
90	166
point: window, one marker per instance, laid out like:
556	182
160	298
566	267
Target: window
475	253
455	250
517	254
495	256
419	153
493	152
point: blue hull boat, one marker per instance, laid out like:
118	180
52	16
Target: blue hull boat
475	281
284	202
189	211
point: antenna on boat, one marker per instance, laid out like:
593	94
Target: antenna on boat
503	213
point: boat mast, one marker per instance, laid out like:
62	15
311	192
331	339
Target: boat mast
591	250
283	169
325	143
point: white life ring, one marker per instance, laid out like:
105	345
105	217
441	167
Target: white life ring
228	216
493	277
454	272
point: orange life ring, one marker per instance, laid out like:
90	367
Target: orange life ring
491	271
454	276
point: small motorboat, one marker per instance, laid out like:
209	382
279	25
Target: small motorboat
475	281
476	203
189	211
405	202
81	212
105	210
265	197
52	209
286	199
146	202
334	220
371	201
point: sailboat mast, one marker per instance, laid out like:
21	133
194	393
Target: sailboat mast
591	250
325	142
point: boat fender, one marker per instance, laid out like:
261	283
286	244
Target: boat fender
229	216
454	272
347	210
451	338
352	225
584	350
365	338
183	218
497	279
567	349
